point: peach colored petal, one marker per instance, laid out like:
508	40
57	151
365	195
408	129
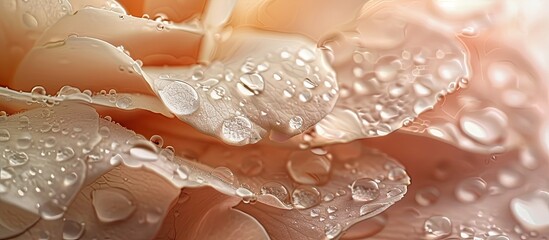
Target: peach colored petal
21	24
110	5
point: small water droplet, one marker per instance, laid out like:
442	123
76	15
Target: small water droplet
4	135
157	140
217	93
304	197
306	55
50	210
224	174
113	204
70	179
509	178
182	172
427	196
470	189
180	98
398	174
365	189
387	68
251	84
437	227
307	168
246	195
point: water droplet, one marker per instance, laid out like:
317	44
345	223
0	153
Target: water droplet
305	96
307	168
332	230
275	189
180	98
157	140
248	66
6	173
427	196
470	189
104	132
72	230
466	232
246	195
182	172
532	210
306	55
70	179
236	129
296	122
386	68
315	212
509	178
224	174
365	189
116	160
217	93
251	84
308	83
451	70
398	174
113	204
16	159
24	141
50	210
29	20
64	154
485	126
277	76
437	227
304	197
124	102
144	150
4	135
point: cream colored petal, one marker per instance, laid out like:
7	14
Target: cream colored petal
111	5
21	24
258	82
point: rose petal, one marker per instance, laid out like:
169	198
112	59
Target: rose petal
387	74
110	5
235	97
21	25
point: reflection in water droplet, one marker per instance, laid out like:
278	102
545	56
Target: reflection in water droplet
509	178
180	98
4	135
427	196
304	197
112	204
307	168
364	189
144	150
470	189
16	159
276	189
532	210
236	129
296	122
437	227
72	230
246	195
64	154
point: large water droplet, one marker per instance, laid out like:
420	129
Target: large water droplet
29	20
485	126
532	210
509	178
307	168
437	227
17	158
64	154
180	98
112	204
50	210
304	197
72	230
236	129
365	189
470	190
